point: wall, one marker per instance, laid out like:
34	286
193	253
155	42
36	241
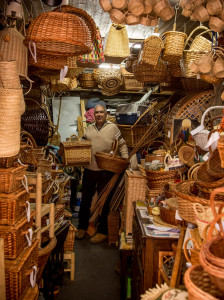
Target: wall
70	109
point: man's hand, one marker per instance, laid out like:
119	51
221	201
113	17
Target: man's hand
134	163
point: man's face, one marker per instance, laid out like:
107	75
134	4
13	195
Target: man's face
100	114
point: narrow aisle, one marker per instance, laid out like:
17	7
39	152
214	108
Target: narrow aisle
95	277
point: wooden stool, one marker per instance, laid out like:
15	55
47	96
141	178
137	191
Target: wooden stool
69	257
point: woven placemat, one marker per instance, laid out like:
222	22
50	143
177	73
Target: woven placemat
159	222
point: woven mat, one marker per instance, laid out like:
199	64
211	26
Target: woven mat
159	222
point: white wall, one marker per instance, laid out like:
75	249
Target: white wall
70	109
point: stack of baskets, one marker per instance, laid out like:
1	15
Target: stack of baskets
87	81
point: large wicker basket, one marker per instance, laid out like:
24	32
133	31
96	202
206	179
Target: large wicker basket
174	45
110	161
147	73
76	152
59	33
15	237
17	272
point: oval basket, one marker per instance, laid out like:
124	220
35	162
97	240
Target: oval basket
111	162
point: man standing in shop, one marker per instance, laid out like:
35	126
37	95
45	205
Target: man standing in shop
102	135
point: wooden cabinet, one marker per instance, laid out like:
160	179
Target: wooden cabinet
145	262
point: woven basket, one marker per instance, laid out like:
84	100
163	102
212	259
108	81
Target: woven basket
8	162
76	153
13	207
45	165
174	45
211	255
214	165
43	255
32	293
175	69
15	237
195	85
59	34
11	179
210	79
9	77
145	73
13	49
70	239
10	109
151	50
199	285
186	155
110	161
135	189
48	61
117	44
47	194
17	272
168	216
82	14
194	257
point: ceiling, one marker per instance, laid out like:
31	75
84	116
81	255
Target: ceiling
102	19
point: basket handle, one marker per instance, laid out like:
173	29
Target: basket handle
192	170
192	32
24	135
72	136
212	201
185	248
212	226
201	127
145	112
197	206
162	143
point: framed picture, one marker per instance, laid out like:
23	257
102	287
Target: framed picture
181	125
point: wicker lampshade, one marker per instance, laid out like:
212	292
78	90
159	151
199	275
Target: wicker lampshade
12	48
59	33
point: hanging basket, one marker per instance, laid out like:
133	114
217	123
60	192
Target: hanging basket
146	73
12	48
117	44
48	61
174	45
35	121
59	33
83	15
151	50
110	161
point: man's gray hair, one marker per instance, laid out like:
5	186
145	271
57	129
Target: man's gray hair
105	110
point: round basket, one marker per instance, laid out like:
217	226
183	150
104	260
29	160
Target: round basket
111	162
199	285
186	155
59	33
194	257
214	165
47	61
211	255
168	216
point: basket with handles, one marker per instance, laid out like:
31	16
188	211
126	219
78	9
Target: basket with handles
76	152
111	161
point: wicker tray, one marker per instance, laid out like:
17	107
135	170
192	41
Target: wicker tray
76	153
11	178
17	272
15	237
13	207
